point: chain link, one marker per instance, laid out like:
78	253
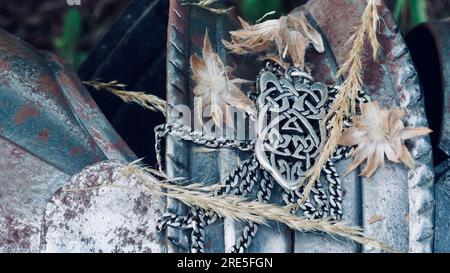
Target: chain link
249	231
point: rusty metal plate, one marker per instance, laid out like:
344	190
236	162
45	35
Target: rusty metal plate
50	129
404	197
44	107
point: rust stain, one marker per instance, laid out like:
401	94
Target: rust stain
44	135
25	112
197	40
4	65
74	151
78	92
120	145
47	85
17	234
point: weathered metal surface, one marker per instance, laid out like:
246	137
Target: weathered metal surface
50	129
26	184
434	69
177	157
113	213
404	197
43	105
442	239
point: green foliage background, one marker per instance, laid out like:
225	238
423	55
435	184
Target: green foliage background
408	13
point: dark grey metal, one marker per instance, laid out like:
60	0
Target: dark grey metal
442	239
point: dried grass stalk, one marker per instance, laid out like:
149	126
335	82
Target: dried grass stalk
150	102
374	219
345	103
239	209
206	4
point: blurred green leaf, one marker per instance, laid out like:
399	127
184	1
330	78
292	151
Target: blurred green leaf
410	13
418	12
68	43
399	7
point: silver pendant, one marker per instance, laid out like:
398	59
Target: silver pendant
290	126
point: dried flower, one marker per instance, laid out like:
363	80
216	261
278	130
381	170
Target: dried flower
379	132
290	34
215	88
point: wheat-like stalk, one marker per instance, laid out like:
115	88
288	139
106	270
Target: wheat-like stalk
345	103
205	4
240	209
150	102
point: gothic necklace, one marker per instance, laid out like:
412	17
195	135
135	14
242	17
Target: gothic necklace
290	135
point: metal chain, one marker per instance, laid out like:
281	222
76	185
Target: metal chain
198	230
308	209
335	190
161	131
186	133
325	205
173	220
321	199
249	231
240	182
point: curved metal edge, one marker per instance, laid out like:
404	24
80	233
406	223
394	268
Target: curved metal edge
421	178
61	132
87	113
177	154
434	69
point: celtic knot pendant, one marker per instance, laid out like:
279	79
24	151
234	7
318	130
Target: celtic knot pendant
289	125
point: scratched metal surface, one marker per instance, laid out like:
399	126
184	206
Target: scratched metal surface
435	67
442	238
404	197
118	215
50	129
